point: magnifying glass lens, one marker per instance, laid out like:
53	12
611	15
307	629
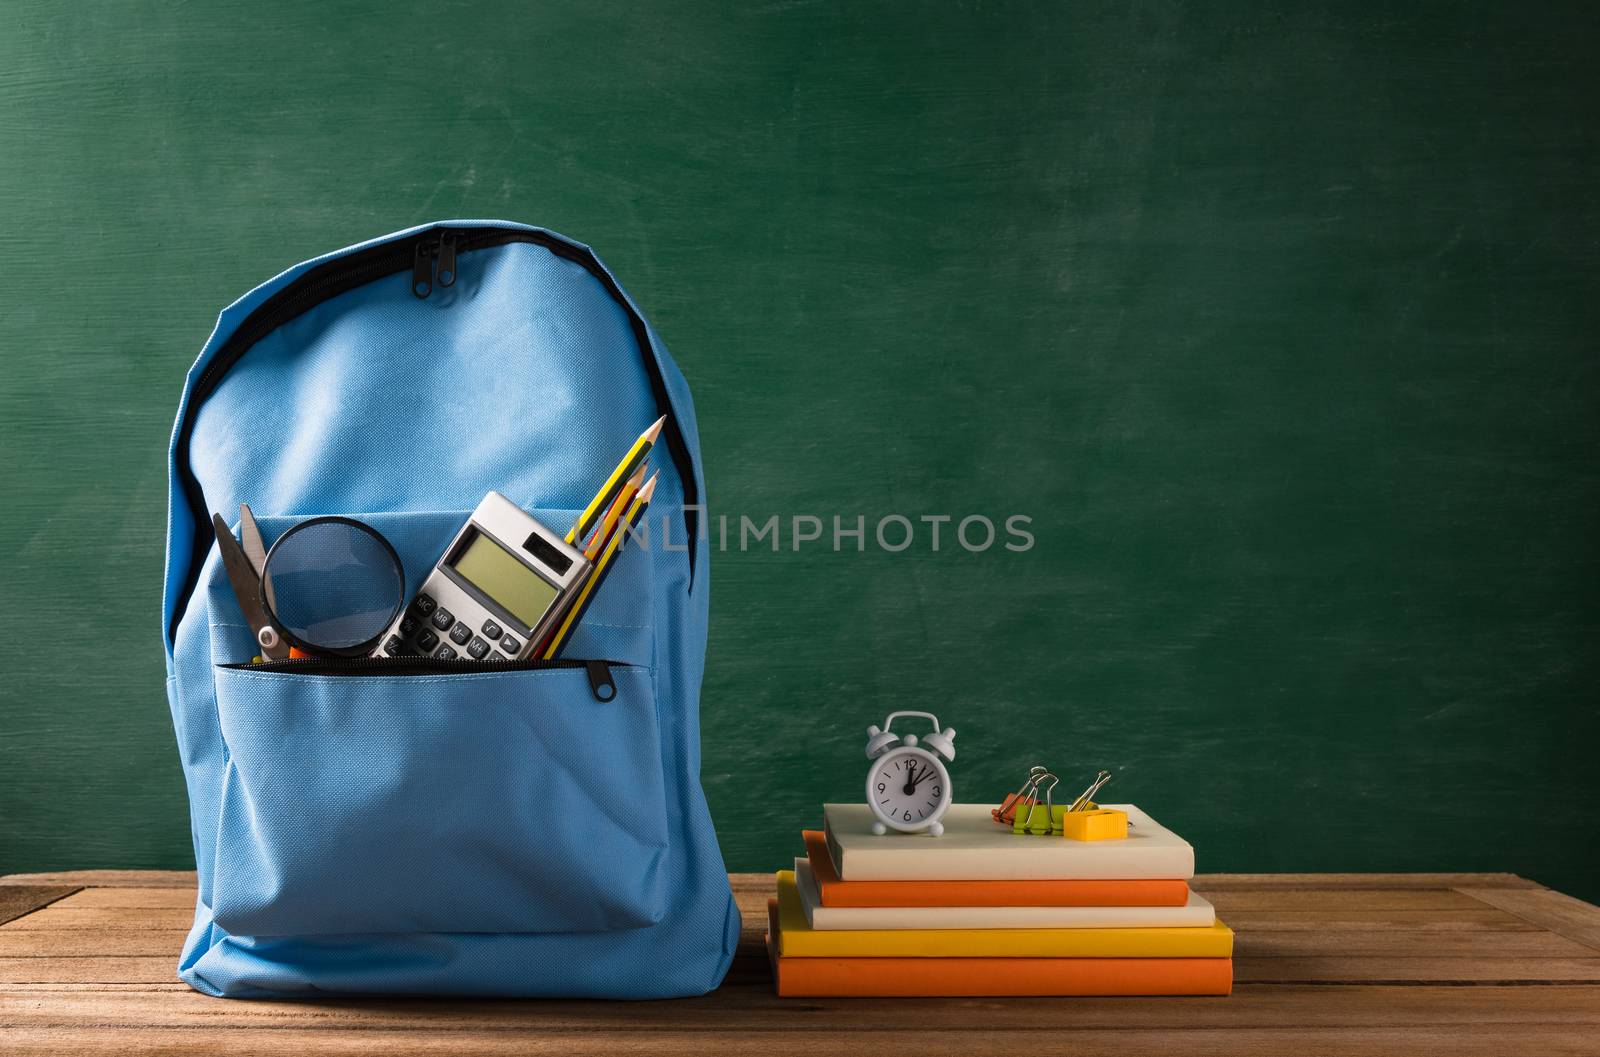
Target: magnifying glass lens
333	584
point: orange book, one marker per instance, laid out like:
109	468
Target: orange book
837	893
992	977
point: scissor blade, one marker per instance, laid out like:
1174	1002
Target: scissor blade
246	586
250	536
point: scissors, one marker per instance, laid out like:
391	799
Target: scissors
244	566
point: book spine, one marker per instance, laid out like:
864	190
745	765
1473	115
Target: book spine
993	977
916	865
932	919
1042	943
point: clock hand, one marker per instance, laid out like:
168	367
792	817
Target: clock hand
911	785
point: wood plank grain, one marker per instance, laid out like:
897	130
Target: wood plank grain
1479	944
1328	881
1367	920
175	985
131	898
100	918
966	1041
1556	911
1227	900
1392	969
17	900
69	943
93	969
755	1007
106	878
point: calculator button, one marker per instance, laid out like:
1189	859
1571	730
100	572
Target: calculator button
423	605
477	648
427	641
510	645
460	633
394	646
408	624
491	630
445	653
442	619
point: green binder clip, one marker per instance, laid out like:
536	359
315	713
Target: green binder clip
1036	812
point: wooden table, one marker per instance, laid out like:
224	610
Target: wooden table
1326	964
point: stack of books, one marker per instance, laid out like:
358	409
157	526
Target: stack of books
981	911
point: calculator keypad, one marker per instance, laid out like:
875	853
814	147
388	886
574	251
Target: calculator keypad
429	630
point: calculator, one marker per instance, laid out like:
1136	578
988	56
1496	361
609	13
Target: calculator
497	592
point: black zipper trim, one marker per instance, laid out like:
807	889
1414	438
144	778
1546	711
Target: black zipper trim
601	684
340	276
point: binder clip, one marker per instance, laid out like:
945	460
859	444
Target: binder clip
1085	820
1033	808
1085	801
1032	811
1006	813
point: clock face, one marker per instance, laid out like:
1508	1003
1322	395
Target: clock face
908	788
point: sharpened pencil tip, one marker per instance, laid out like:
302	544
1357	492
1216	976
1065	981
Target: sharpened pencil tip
636	478
649	488
654	431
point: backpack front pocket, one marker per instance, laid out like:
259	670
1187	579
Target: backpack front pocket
507	801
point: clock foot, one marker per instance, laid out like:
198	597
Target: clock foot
936	828
879	829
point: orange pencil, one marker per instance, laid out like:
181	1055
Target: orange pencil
608	558
619	506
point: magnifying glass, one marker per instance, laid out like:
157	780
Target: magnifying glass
332	586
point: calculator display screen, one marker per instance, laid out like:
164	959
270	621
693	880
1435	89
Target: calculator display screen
493	570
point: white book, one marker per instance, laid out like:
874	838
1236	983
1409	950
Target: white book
1197	913
975	847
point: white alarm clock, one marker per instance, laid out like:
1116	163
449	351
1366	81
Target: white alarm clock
908	788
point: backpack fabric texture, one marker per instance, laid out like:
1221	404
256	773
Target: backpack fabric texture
496	833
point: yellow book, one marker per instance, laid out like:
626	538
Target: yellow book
796	939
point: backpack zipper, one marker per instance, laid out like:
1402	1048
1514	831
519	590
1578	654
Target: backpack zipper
353	270
422	270
601	684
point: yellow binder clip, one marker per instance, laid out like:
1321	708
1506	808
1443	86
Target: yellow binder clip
1084	820
1101	823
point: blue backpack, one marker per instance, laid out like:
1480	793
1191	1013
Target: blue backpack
511	832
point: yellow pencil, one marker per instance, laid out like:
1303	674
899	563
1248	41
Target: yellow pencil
608	491
608	558
618	507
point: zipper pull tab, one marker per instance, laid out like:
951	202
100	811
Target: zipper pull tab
447	258
600	683
422	271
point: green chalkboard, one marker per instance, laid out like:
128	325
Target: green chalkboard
1277	320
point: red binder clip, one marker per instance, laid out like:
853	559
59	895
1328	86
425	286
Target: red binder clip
1006	813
